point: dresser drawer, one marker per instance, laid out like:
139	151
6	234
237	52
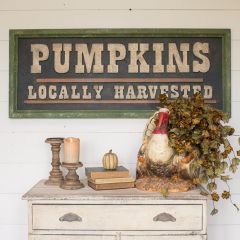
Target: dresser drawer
71	237
102	237
118	217
169	237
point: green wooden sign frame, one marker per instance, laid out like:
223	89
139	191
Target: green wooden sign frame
14	112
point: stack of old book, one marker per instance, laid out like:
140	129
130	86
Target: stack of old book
102	179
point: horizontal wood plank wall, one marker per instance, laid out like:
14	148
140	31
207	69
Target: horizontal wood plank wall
25	157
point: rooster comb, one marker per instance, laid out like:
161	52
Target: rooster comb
163	110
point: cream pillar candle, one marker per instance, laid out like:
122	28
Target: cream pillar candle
71	150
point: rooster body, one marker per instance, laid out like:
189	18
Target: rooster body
158	149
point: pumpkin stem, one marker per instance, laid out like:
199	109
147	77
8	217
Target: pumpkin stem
110	151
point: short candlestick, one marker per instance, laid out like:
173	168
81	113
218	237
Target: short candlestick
71	180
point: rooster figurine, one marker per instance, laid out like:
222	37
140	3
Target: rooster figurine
156	157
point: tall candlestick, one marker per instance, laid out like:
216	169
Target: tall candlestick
56	176
71	150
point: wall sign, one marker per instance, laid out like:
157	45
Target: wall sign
115	72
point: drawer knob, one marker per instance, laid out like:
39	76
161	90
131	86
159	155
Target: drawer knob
70	217
164	217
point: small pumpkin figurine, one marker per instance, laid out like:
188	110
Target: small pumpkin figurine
110	160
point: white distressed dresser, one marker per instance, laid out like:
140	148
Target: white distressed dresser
127	214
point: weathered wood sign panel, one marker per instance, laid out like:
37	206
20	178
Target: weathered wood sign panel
115	73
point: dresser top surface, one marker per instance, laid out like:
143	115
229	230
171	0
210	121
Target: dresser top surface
45	192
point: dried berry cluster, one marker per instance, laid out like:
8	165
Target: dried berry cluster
199	129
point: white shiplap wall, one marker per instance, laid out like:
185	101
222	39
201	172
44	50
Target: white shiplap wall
24	155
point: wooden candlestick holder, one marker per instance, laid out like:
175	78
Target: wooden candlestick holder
71	180
56	176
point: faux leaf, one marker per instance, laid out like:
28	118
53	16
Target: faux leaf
227	130
212	186
233	168
215	196
225	117
174	130
235	161
196	120
214	211
225	178
235	205
224	165
204	192
214	144
203	178
205	146
165	192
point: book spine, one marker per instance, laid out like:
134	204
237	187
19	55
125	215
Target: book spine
95	175
112	180
110	186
